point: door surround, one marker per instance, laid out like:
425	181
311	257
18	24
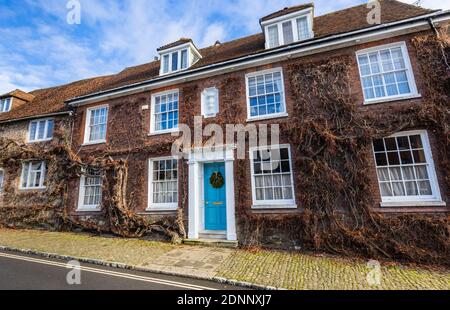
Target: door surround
197	159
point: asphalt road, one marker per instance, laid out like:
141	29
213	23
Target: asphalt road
25	272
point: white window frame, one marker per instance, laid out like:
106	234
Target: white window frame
178	61
283	96
161	206
193	55
43	172
153	130
2	102
47	120
81	192
87	128
210	92
272	204
411	201
409	73
293	17
2	180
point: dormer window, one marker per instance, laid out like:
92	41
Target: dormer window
178	56
5	105
288	26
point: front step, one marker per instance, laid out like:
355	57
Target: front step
212	243
214	235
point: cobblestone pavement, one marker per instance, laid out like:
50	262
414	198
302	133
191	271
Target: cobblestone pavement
308	272
267	268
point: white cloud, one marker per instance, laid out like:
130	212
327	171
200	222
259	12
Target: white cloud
115	34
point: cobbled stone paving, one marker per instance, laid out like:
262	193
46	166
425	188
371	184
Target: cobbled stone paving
267	268
308	272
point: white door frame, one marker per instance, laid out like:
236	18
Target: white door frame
196	162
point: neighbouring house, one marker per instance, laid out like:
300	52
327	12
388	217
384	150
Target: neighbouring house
347	96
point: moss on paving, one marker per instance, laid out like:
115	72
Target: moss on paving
299	271
129	251
272	268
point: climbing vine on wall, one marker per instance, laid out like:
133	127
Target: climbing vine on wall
333	145
332	140
49	208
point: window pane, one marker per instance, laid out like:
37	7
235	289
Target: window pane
388	71
425	188
407	174
41	130
166	112
165	181
98	124
265	94
166	63
184	59
33	130
273	36
302	28
25	174
272	175
50	126
288	34
175	61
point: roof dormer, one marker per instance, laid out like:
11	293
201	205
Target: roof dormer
178	56
5	104
289	25
19	97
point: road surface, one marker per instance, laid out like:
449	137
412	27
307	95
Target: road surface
26	272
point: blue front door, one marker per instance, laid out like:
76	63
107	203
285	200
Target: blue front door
215	197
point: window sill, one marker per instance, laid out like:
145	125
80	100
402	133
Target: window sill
274	206
94	143
162	209
392	99
87	209
267	117
406	204
164	132
33	188
39	141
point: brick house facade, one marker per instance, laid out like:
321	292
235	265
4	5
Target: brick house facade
120	109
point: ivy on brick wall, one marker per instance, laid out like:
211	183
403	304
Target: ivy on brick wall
333	145
333	141
48	208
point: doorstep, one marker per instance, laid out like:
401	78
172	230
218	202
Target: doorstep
212	243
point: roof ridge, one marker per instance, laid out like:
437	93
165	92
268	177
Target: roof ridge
365	4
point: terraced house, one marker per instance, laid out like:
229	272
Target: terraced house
134	114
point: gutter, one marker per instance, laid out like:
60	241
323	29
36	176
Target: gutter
284	51
36	117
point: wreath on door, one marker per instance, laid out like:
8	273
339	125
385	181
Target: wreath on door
217	180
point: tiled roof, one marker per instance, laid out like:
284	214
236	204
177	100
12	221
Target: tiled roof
18	94
286	11
350	19
176	43
52	100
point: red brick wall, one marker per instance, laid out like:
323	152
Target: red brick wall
128	125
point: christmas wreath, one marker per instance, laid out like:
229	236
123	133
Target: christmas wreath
217	180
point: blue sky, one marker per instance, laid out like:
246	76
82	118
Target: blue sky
39	49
